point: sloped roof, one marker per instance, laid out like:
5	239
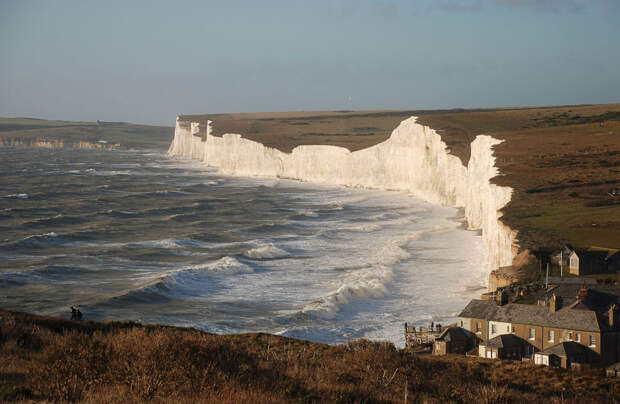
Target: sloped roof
615	366
569	349
452	334
584	320
505	341
600	297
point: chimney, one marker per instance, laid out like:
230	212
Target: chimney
612	314
554	303
583	293
502	298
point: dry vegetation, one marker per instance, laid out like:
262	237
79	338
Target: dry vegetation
562	162
50	359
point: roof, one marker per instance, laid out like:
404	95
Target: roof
615	366
583	320
452	334
600	297
607	253
505	341
569	349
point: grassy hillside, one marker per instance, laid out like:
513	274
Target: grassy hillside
50	359
126	134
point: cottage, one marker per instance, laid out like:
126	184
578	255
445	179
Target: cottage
563	355
593	260
504	346
561	257
453	340
613	370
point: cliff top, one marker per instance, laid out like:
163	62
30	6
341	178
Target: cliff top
563	162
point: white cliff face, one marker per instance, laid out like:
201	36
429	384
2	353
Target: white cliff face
413	159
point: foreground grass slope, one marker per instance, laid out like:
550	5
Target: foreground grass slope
44	358
128	135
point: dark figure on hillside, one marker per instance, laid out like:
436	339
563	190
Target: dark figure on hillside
79	314
74	313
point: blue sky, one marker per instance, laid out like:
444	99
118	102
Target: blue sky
148	61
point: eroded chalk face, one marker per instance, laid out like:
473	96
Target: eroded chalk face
414	159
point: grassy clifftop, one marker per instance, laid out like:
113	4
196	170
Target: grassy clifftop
128	135
562	162
44	358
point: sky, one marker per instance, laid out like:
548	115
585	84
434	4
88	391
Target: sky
149	61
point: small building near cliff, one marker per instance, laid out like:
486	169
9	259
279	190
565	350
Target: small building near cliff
453	340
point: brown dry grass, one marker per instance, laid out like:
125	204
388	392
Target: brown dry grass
47	359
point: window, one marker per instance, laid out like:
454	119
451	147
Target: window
508	328
493	329
593	340
478	328
551	336
461	323
578	337
532	333
570	336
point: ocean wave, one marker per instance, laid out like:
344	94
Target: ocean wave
225	265
18	196
171	243
267	251
41	240
368	282
173	192
59	219
191	280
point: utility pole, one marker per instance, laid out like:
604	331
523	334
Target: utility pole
562	263
547	278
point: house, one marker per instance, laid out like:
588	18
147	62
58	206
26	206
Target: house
504	346
598	260
561	257
613	370
563	355
588	318
573	263
593	260
453	340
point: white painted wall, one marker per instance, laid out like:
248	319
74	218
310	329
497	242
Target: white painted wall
500	328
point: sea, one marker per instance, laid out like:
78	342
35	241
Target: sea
138	235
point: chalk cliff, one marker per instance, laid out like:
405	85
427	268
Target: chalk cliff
54	143
413	159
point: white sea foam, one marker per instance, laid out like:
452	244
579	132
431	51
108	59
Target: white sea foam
18	196
225	265
267	251
171	243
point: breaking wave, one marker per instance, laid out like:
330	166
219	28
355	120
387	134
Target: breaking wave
267	251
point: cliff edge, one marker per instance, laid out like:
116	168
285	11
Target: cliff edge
413	159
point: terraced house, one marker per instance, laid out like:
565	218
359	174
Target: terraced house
561	330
